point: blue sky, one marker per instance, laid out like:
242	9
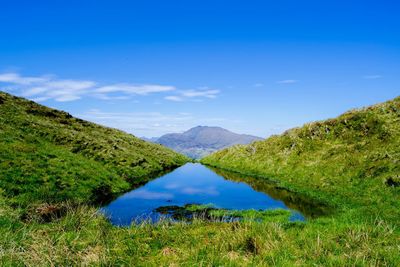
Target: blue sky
154	67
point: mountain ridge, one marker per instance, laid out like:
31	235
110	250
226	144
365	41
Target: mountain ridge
200	141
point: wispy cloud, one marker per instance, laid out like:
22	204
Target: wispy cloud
141	123
174	98
135	89
200	93
151	124
372	77
192	94
50	87
15	78
287	81
258	85
59	90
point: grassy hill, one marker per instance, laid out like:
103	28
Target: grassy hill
48	155
352	160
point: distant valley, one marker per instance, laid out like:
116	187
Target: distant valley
201	141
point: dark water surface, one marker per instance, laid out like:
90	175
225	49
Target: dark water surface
194	183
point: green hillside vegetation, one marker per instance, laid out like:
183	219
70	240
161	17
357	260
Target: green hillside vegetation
352	168
48	155
352	160
351	163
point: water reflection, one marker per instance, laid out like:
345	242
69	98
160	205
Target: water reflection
307	206
197	184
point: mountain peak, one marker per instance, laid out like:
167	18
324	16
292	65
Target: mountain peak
200	141
204	127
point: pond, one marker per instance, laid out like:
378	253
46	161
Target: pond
195	183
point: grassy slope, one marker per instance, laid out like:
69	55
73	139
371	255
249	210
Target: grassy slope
83	237
351	162
47	155
355	157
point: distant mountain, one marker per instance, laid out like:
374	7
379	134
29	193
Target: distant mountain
200	141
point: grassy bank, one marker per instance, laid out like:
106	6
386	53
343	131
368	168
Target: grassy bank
83	237
352	161
48	155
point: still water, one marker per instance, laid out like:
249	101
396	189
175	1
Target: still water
195	183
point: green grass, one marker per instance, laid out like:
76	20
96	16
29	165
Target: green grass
278	215
350	163
83	237
191	212
48	155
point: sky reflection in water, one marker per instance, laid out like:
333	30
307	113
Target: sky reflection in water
192	183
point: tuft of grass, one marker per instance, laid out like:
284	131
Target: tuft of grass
276	215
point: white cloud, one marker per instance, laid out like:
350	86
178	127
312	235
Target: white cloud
67	97
151	124
372	77
200	93
59	90
194	95
34	91
287	81
109	97
71	85
258	85
15	78
50	87
141	123
174	98
135	89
